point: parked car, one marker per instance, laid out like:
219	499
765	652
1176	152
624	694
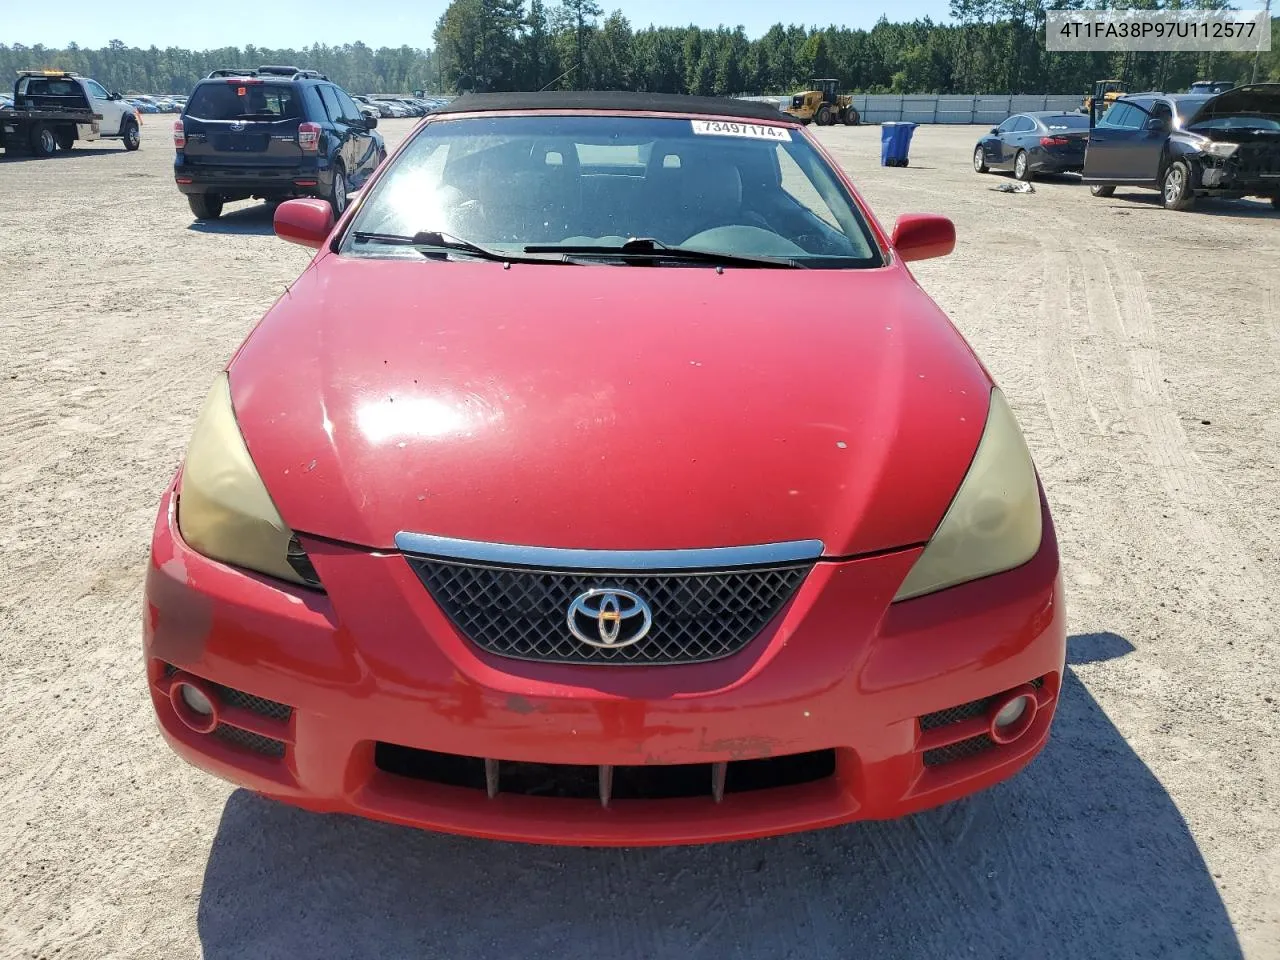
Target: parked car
142	106
449	549
1188	146
1032	143
372	107
271	133
1210	86
396	108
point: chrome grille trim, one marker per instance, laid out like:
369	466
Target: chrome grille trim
558	558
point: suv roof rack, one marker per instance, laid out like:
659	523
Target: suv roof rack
294	72
291	73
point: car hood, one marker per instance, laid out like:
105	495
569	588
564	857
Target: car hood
608	407
1252	98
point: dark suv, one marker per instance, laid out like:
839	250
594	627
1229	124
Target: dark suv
272	133
1188	146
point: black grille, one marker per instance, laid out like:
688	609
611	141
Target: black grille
648	782
249	741
1253	159
974	708
520	613
259	705
958	751
942	718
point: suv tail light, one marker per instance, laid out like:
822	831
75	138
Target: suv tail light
309	136
1054	141
179	135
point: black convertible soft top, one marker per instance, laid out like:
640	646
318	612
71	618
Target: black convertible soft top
613	100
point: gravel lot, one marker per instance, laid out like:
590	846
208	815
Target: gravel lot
1141	350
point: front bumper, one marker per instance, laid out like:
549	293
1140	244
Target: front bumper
1252	172
838	671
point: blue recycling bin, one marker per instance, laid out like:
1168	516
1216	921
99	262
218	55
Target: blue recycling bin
895	142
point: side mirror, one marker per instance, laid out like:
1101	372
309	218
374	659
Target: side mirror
922	236
307	222
370	121
995	129
1156	125
114	95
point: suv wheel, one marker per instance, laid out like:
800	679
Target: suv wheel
1175	187
206	206
1102	189
979	160
338	195
130	134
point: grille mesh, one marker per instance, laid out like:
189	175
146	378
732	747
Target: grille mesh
249	741
259	705
520	613
951	715
974	708
958	751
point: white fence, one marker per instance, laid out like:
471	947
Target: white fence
947	108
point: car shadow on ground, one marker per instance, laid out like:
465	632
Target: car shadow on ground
1082	855
13	156
1246	209
257	218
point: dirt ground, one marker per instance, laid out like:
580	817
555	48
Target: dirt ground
1141	350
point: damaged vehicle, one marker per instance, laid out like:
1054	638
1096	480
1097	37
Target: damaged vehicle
567	526
1188	146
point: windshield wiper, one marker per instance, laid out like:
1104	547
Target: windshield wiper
429	242
648	250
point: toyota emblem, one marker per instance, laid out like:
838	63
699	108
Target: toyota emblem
609	618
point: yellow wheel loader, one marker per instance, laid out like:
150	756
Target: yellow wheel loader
1105	92
821	104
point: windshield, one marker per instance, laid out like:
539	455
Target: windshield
508	183
1188	107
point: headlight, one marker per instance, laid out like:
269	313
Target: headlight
994	522
224	510
1213	148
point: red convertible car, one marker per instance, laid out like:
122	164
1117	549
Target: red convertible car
606	478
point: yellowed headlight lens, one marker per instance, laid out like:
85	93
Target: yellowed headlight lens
224	510
994	522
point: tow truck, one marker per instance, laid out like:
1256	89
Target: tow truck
52	109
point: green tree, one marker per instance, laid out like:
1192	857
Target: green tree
580	15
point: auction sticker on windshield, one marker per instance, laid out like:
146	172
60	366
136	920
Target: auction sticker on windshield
736	128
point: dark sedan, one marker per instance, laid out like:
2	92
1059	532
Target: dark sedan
1032	143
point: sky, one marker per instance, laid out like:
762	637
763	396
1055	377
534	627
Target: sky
382	23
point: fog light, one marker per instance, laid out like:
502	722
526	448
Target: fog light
1012	714
198	702
193	702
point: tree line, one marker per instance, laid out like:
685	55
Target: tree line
992	46
354	66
